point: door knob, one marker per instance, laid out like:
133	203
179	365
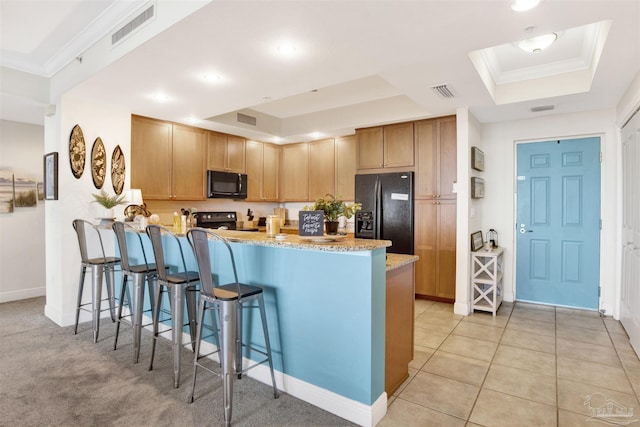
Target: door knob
522	231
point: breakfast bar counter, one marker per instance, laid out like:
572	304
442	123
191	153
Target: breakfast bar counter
325	303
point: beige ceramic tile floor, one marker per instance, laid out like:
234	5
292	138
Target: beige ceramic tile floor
528	366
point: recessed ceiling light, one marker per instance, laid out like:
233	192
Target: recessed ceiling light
315	135
523	5
538	44
286	49
212	78
161	97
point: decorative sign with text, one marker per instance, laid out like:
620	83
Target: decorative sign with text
311	223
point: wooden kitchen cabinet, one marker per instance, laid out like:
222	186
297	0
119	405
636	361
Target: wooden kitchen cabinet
225	152
188	176
346	147
389	146
436	152
262	161
321	168
151	157
399	310
435	245
294	173
167	160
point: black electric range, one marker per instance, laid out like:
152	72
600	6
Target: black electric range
219	220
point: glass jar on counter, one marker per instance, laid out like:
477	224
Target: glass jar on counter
273	225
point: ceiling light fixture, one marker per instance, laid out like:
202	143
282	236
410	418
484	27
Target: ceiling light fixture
286	49
161	97
212	78
523	5
538	44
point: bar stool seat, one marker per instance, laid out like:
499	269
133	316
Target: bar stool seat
139	274
180	285
92	256
229	301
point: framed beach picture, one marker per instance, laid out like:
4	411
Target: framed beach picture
6	191
25	191
51	176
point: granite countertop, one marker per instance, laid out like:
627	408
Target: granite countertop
395	261
343	244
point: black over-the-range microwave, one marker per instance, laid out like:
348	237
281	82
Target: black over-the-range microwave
226	185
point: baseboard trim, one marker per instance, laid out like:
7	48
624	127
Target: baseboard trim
23	294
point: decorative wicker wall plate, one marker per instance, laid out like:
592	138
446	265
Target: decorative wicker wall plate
117	169
98	163
77	151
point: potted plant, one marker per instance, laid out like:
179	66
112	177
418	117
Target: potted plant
334	207
108	203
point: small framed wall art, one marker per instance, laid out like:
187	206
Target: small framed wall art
476	241
477	188
477	159
51	176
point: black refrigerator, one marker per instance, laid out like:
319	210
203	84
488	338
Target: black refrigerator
387	209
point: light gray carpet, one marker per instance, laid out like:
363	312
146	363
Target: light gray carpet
50	377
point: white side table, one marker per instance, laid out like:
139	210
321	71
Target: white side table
486	279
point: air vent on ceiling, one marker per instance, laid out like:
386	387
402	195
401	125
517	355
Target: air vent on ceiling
443	91
246	119
542	108
132	25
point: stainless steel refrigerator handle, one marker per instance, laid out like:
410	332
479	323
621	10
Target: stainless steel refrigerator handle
378	209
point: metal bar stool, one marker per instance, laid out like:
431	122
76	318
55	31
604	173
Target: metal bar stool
180	285
99	263
229	300
129	237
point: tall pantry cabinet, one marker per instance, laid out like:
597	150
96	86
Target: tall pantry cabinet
435	207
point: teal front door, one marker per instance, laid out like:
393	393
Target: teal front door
558	222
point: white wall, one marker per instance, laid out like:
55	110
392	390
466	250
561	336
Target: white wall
498	205
113	126
22	232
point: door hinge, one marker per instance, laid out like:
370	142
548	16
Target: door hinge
600	224
599	291
601	157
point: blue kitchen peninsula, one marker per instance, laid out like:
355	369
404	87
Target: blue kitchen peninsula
325	305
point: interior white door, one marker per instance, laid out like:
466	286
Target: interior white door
630	291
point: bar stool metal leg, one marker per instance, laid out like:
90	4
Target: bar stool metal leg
83	270
263	315
228	315
177	319
96	283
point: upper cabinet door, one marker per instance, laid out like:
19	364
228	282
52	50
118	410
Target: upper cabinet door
436	150
346	166
235	154
270	169
216	151
322	168
448	156
388	146
254	162
294	173
370	148
151	157
398	145
225	152
188	172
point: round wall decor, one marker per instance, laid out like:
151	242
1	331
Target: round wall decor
117	169
98	163
77	151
